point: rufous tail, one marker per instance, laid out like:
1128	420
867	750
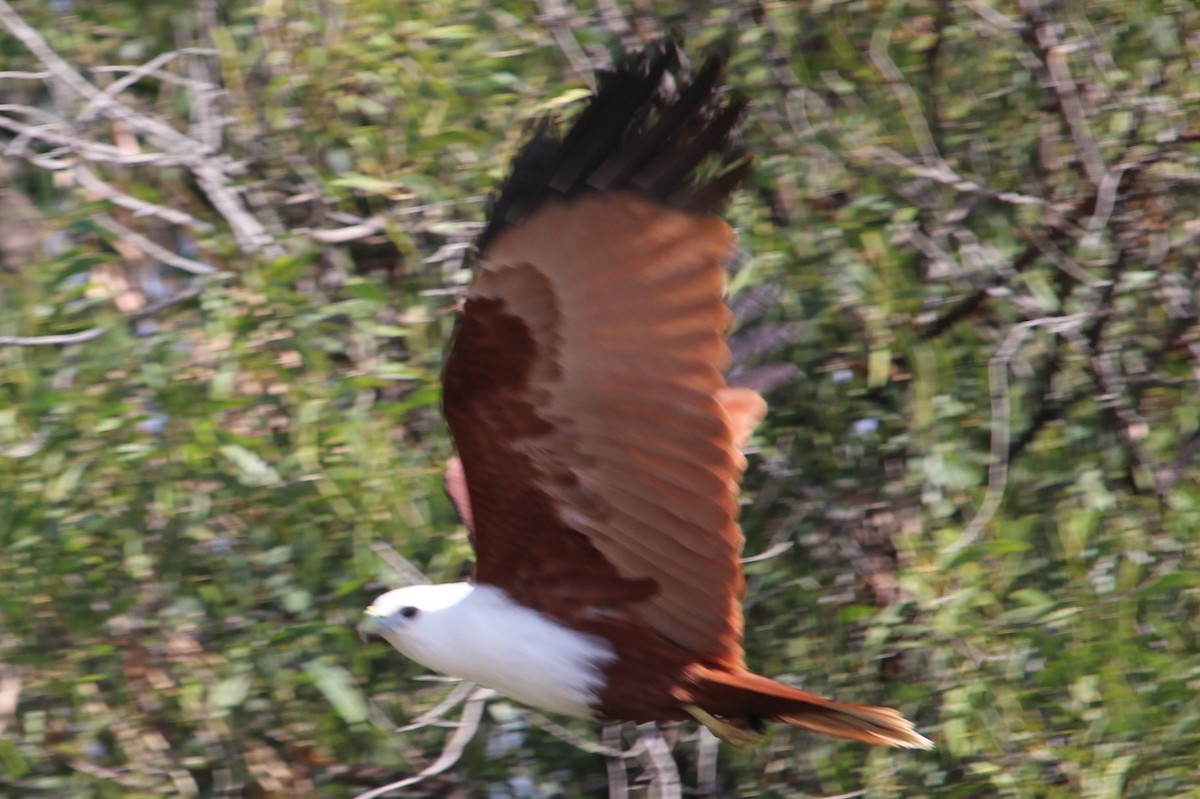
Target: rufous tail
741	699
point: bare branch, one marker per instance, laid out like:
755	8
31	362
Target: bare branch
468	725
42	341
89	181
1064	262
34	42
906	96
343	235
159	74
18	75
10	693
433	717
126	778
154	307
943	174
1106	201
555	17
770	553
1074	113
707	747
607	749
212	172
152	249
1132	426
615	22
52	132
998	367
994	17
135	74
1185	455
618	779
250	234
664	777
402	566
95	332
1057	76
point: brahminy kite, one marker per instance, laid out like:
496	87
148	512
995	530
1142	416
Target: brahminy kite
599	447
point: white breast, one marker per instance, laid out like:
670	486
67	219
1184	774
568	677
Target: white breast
479	634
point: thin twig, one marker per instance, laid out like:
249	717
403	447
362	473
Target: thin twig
88	180
583	744
151	248
158	74
95	332
212	171
1185	456
1001	420
614	764
664	776
770	553
468	725
910	103
10	694
343	235
1044	35
250	234
34	42
706	763
408	573
43	341
126	778
135	74
18	75
53	133
557	19
930	326
1106	202
943	174
1132	426
462	691
994	17
614	21
1073	110
1064	262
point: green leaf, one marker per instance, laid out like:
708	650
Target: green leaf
364	183
229	692
14	764
338	688
452	33
1171	581
252	470
566	98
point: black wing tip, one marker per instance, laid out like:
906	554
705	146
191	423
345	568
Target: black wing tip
636	134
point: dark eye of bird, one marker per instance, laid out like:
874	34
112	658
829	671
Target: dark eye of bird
408	611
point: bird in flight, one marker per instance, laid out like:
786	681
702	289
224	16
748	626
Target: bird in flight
599	447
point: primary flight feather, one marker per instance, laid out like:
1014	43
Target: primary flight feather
598	444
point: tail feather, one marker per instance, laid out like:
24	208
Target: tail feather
743	694
880	726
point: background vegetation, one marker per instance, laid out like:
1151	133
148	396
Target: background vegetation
230	235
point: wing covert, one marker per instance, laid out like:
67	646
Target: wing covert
598	455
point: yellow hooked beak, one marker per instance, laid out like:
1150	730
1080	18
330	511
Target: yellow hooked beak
372	624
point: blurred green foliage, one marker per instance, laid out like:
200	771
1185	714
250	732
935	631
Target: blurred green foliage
982	222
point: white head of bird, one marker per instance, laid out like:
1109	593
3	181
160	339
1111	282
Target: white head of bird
477	633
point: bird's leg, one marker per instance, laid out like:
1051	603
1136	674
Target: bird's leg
739	733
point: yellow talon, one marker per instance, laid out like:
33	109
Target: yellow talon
737	734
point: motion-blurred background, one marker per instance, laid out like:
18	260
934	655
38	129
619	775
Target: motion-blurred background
231	235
